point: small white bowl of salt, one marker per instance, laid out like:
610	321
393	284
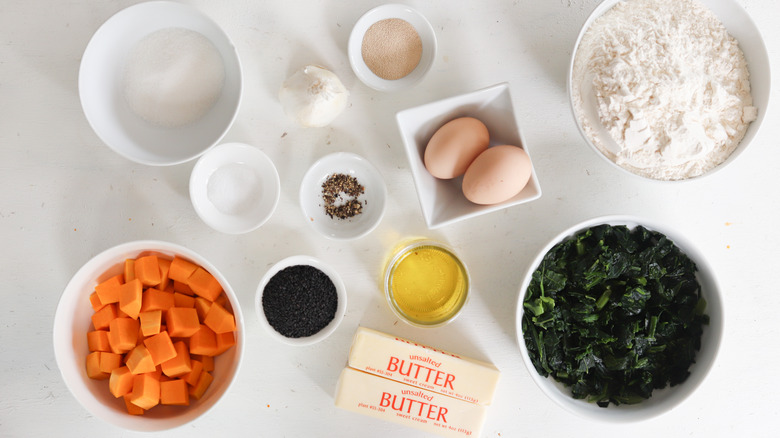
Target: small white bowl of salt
234	188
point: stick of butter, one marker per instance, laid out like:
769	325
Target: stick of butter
385	399
422	366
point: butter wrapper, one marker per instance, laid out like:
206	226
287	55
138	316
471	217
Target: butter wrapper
399	403
422	366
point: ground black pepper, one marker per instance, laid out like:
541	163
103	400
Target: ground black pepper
340	193
299	301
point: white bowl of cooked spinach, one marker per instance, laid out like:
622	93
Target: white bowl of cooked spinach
619	319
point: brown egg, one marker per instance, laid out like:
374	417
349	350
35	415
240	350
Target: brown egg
454	146
496	175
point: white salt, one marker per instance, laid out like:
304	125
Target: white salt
234	189
173	77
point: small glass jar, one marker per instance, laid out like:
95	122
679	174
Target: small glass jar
426	284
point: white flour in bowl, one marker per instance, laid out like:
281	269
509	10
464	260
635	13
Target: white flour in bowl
670	85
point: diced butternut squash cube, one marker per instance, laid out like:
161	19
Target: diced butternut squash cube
108	290
202	305
165	266
146	391
150	322
200	388
219	319
156	299
120	382
94	300
204	284
170	288
180	269
147	269
182	300
174	392
182	288
93	366
97	340
208	363
182	322
222	300
109	361
103	317
129	270
131	408
123	334
224	342
204	342
192	377
179	365
160	347
140	361
130	298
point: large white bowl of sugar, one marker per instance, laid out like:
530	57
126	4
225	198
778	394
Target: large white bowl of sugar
160	83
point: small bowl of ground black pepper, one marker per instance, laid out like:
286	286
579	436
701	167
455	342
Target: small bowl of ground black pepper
391	47
343	196
301	300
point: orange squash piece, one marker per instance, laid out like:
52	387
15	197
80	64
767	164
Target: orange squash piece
108	290
200	388
131	408
103	317
150	322
182	322
182	288
224	342
123	334
93	366
208	363
219	319
139	360
181	300
165	266
94	300
174	392
146	391
109	361
180	269
192	377
130	298
120	382
147	269
204	284
204	342
129	270
202	305
160	347
156	299
97	340
179	365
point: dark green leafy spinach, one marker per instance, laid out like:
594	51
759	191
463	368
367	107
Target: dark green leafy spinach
614	313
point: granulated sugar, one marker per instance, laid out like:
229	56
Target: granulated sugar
671	85
173	76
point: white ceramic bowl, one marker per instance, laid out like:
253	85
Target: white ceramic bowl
739	25
72	322
246	183
341	291
374	198
101	86
661	400
383	12
442	201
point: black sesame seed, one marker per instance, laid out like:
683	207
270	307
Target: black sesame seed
299	301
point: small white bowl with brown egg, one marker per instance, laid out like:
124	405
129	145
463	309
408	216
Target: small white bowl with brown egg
467	156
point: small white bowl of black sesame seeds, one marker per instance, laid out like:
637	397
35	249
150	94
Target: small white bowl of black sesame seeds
343	196
300	300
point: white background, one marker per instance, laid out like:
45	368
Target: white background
66	197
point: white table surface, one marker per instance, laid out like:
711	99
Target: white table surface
66	197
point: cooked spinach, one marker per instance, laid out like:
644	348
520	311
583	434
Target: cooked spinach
614	313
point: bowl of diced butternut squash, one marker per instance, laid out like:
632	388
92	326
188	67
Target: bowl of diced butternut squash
148	335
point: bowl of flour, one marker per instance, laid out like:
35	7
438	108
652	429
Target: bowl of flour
669	90
160	83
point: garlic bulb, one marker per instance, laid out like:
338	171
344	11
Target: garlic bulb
313	96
